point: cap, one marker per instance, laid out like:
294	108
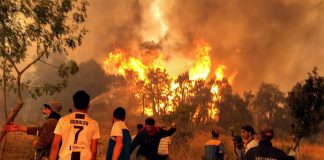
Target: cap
54	105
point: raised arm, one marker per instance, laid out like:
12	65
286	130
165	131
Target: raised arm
166	133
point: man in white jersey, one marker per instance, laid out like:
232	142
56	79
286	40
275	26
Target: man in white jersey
78	132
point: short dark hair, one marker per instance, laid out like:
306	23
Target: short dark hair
215	134
139	126
248	128
150	121
119	113
267	133
81	100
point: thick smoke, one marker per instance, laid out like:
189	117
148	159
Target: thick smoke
276	41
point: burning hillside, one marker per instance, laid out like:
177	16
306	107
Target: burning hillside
159	93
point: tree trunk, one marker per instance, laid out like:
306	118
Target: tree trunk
11	117
4	78
297	143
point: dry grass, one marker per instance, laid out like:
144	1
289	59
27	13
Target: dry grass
19	148
19	145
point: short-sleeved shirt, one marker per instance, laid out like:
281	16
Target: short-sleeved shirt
164	146
119	128
77	130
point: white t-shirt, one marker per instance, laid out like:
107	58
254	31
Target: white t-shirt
77	130
117	129
164	146
251	144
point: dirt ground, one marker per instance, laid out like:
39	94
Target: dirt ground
19	147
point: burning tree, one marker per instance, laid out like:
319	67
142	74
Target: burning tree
233	108
158	90
35	30
306	102
158	94
201	99
269	102
182	89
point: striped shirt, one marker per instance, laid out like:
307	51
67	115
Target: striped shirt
164	146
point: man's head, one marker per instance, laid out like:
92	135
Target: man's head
119	114
215	134
53	106
149	122
81	100
139	127
247	132
266	133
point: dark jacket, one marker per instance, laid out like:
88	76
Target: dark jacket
265	150
214	150
46	134
149	144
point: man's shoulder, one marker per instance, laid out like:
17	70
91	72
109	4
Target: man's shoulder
120	124
91	120
260	149
278	151
51	121
213	142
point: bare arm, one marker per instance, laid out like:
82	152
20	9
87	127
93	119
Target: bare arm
94	144
55	146
118	147
14	127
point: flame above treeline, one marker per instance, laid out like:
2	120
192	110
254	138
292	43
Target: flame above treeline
117	62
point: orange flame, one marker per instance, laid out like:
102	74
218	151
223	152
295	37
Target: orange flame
117	63
203	63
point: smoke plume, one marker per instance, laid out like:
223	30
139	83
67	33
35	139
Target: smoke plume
276	41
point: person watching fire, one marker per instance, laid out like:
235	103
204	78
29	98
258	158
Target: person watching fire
214	148
148	140
120	138
78	131
265	150
44	134
247	133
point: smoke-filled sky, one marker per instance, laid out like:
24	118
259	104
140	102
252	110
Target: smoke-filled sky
275	41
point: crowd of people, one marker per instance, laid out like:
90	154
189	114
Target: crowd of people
75	137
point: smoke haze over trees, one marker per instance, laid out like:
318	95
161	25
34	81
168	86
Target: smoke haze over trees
254	38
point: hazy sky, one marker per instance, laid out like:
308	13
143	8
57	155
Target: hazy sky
275	41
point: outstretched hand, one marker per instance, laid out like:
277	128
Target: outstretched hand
13	127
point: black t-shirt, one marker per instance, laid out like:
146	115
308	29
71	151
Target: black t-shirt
265	151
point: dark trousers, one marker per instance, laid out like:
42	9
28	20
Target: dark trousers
163	157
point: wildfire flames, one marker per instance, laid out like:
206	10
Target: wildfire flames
116	62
